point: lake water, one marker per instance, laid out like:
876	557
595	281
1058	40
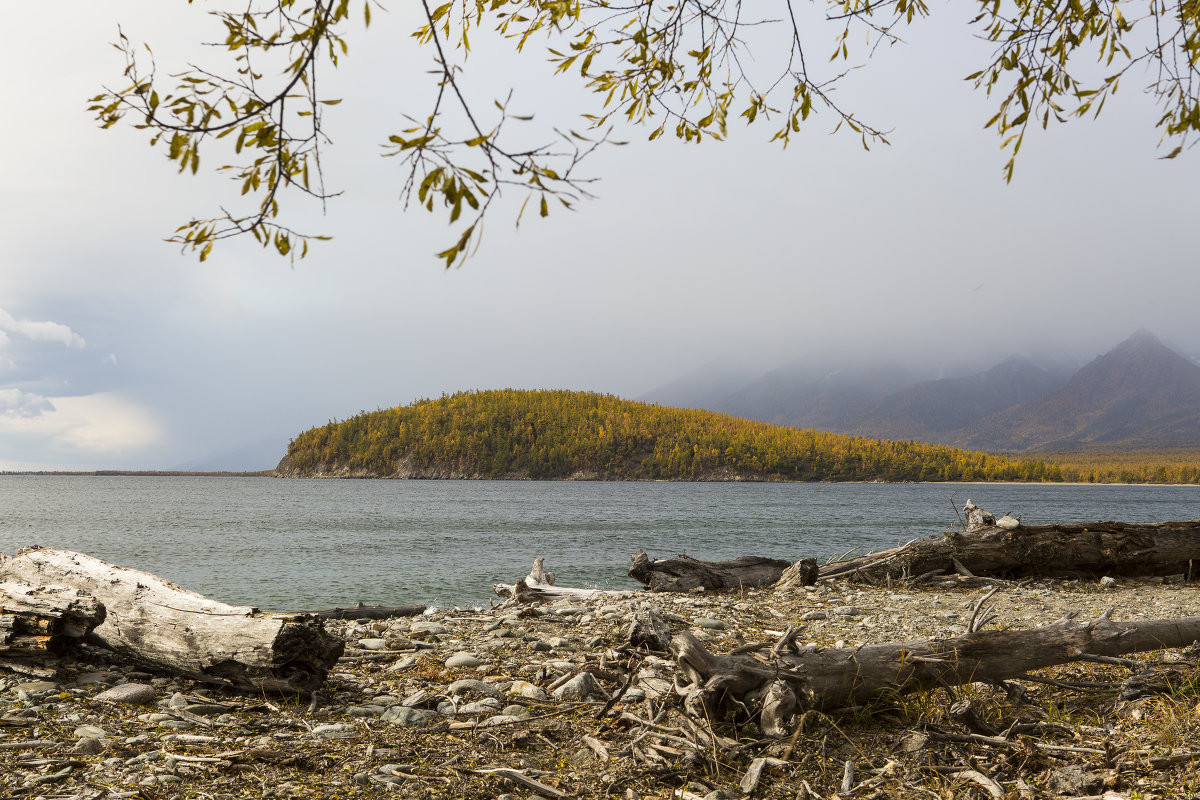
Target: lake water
290	545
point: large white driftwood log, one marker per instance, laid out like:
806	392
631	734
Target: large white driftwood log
162	626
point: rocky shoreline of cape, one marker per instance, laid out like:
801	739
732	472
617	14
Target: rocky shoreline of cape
518	702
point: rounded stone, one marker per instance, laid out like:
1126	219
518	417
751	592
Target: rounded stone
408	717
131	693
581	687
36	687
488	705
710	623
90	732
469	685
334	731
463	660
88	746
516	711
527	689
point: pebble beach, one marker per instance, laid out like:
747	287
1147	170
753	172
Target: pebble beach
546	700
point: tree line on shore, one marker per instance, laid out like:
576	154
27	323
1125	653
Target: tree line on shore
547	435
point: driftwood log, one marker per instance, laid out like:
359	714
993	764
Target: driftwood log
803	573
538	587
684	573
1073	550
365	612
38	623
164	627
822	678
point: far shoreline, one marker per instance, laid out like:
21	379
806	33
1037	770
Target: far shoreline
137	473
270	473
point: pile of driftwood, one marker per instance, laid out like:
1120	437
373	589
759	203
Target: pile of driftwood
773	681
986	549
1005	549
52	599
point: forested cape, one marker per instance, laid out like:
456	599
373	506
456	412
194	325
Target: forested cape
547	435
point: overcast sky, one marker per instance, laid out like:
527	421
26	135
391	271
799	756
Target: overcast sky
116	351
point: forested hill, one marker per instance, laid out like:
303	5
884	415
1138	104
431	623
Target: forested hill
547	435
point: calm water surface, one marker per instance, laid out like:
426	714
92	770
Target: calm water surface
308	544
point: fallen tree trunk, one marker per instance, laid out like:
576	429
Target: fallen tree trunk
1074	550
684	573
38	623
164	627
824	678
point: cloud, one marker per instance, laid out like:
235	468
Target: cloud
16	403
39	331
78	430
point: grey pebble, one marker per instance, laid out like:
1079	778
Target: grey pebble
488	705
581	687
408	717
710	623
90	732
88	746
366	710
463	660
334	731
131	693
470	685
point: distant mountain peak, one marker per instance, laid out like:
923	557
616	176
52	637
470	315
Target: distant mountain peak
1140	338
1140	394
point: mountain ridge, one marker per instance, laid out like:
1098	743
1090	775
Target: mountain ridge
1139	395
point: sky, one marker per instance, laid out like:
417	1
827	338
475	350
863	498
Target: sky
119	352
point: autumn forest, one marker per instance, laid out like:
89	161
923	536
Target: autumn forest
556	435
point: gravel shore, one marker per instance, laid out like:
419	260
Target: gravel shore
518	702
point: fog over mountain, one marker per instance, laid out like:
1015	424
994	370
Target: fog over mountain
1141	394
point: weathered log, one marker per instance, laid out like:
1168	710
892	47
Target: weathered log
538	586
803	573
684	573
825	678
365	612
164	627
40	623
1072	550
55	616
